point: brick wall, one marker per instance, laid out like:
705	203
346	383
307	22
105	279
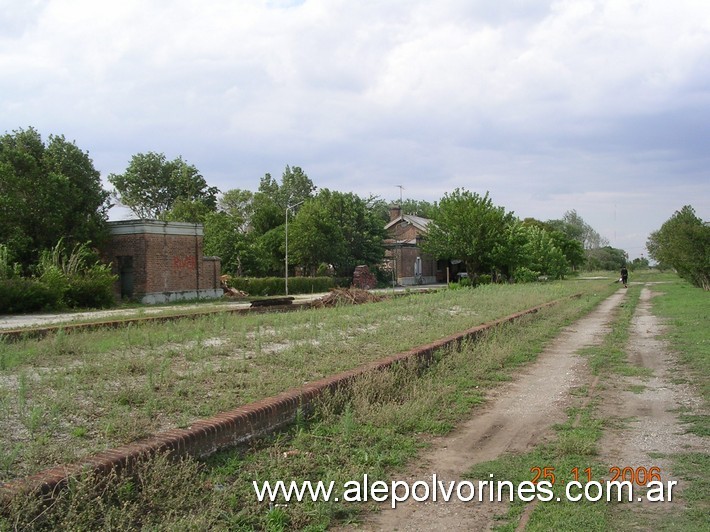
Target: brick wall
161	261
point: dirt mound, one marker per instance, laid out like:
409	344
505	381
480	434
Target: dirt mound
347	296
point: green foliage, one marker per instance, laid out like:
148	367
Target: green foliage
510	251
420	208
542	255
191	211
483	279
151	186
275	286
468	227
49	191
18	295
8	269
76	279
92	289
576	228
339	229
605	258
225	239
465	282
639	264
683	242
264	216
567	236
238	204
525	275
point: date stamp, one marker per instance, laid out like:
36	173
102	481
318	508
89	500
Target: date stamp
640	476
581	483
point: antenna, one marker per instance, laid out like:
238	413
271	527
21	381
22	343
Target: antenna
401	188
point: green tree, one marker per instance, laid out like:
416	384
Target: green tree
151	185
468	227
567	237
542	255
337	228
239	205
225	239
606	258
575	227
639	263
420	208
184	210
510	252
47	192
683	242
315	237
268	214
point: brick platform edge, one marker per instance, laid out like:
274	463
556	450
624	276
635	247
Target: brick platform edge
14	335
238	426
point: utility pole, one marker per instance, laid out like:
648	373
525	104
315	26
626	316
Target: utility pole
286	257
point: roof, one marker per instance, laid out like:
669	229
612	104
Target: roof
417	221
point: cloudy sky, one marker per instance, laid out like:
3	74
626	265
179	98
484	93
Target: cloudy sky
602	106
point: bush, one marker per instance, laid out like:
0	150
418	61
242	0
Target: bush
27	295
275	286
525	275
94	289
482	279
63	280
465	282
54	279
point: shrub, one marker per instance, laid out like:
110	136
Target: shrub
54	280
482	279
525	275
63	280
465	282
275	286
26	295
93	289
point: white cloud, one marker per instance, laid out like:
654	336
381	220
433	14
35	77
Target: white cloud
544	103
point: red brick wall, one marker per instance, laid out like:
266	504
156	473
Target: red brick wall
167	258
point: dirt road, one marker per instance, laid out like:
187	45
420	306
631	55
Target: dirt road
520	415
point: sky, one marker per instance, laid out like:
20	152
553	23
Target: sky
601	106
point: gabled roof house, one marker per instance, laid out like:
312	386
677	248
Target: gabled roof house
403	254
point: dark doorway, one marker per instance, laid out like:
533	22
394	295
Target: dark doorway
125	275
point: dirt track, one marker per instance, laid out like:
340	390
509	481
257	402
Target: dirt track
520	415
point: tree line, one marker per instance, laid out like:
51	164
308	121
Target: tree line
51	192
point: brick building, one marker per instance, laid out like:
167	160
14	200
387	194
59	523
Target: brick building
158	262
410	265
404	256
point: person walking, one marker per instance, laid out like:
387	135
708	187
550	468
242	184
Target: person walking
624	276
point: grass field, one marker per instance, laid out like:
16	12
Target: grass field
380	426
72	394
75	393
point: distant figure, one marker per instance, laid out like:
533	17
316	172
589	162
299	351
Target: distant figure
624	276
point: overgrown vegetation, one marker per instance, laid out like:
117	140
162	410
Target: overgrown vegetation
63	279
275	286
120	386
384	422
